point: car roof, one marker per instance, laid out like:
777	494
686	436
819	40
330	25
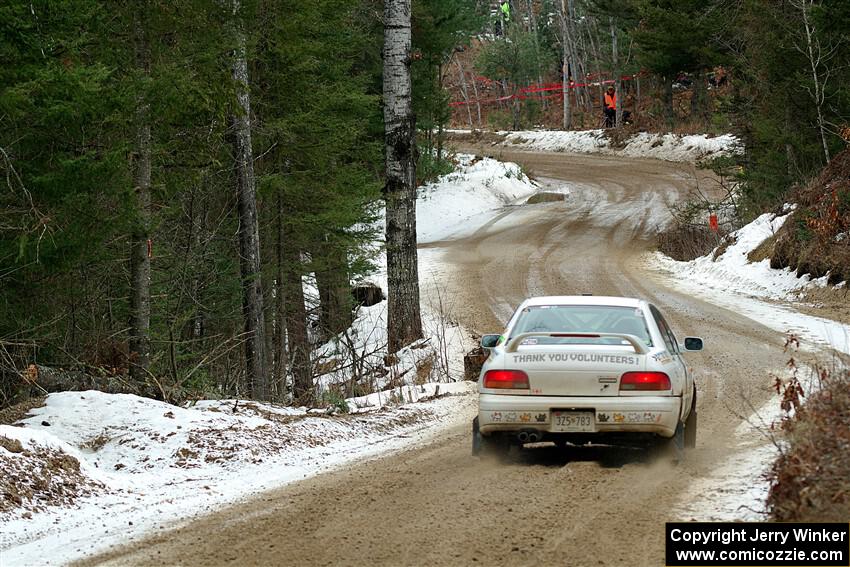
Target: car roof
583	300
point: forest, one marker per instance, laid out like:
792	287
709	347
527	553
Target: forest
192	189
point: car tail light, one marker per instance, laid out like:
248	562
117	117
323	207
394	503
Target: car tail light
645	381
506	379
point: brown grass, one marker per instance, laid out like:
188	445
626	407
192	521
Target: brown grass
424	368
11	445
17	412
686	242
546	197
97	442
763	250
725	243
811	479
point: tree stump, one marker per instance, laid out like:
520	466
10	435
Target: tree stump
472	363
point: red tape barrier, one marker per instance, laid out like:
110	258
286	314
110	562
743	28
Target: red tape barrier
523	93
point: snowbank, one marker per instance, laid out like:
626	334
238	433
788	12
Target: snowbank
141	464
453	205
668	147
733	272
754	289
736	488
138	461
357	360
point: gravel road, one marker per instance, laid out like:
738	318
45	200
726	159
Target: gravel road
438	505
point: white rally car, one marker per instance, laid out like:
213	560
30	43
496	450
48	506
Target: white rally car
586	369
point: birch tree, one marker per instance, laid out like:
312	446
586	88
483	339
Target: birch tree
816	56
141	244
249	236
404	321
565	49
616	70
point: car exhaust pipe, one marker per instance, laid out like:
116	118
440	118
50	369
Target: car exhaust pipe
522	437
533	437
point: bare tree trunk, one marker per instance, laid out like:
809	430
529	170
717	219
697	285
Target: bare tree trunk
565	87
699	97
618	107
440	124
198	220
596	58
249	235
463	90
532	29
637	95
669	113
334	286
280	358
815	57
579	64
579	72
404	321
477	99
140	251
296	326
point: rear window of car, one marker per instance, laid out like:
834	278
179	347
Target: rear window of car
578	319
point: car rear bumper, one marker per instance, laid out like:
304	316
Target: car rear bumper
612	414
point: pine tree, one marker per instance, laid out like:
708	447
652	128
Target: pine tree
318	119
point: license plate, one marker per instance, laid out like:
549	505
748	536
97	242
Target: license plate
573	421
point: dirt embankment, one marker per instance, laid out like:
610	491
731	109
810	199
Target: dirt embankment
816	239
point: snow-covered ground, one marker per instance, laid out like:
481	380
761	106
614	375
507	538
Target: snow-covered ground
455	205
91	469
755	289
459	203
145	465
668	147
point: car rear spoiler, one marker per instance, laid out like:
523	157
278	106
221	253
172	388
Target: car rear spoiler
636	343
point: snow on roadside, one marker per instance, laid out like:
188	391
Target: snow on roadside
668	147
139	465
733	272
736	488
458	203
453	206
754	289
734	491
147	464
437	358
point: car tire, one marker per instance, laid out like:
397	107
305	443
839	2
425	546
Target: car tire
691	427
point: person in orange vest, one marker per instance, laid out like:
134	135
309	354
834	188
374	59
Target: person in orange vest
610	107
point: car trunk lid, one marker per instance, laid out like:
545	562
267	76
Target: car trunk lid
575	369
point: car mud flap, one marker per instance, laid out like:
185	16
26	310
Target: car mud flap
477	441
691	429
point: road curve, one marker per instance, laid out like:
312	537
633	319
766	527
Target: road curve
437	505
